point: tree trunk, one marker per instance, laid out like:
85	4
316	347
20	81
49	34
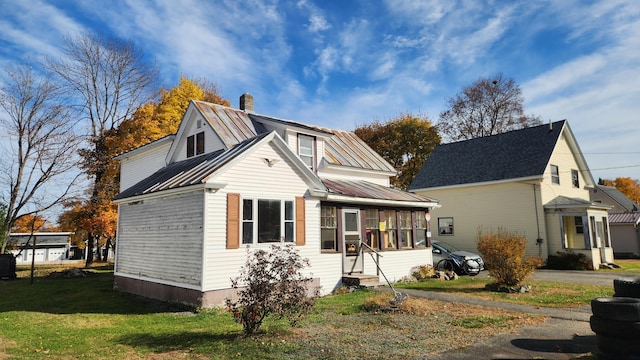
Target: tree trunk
90	240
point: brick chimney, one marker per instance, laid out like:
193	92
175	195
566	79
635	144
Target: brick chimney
246	103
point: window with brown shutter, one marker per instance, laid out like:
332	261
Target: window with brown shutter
233	221
300	221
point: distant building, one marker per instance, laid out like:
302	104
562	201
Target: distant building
49	247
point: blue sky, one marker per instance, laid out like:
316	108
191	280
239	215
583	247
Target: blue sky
345	63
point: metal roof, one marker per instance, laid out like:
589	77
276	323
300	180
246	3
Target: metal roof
367	190
624	218
188	172
344	148
232	125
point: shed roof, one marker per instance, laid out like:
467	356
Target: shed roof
624	218
512	155
367	190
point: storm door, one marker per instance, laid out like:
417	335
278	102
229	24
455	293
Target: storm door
352	254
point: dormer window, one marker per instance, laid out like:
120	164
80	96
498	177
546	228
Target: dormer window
306	150
195	144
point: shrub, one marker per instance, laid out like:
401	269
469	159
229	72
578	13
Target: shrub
271	283
569	261
503	254
423	272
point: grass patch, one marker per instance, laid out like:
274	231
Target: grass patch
71	318
543	293
626	266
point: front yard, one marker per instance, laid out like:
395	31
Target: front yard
69	318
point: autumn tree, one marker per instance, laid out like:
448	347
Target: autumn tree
32	222
38	163
489	106
626	185
405	142
110	79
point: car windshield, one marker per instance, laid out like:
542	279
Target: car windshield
447	246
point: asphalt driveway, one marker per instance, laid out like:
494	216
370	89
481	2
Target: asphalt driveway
566	333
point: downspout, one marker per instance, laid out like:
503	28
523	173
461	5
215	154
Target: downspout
539	239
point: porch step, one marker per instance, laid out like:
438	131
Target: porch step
361	280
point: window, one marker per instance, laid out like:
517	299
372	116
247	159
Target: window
421	229
372	220
271	221
247	221
195	144
389	236
445	226
555	174
574	179
406	229
328	228
305	150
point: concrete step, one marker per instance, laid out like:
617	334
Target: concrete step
361	280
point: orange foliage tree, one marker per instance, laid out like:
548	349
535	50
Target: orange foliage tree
32	223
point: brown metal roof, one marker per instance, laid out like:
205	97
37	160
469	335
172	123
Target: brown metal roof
367	190
344	148
624	218
231	125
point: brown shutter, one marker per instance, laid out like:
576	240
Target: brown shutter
300	221
233	221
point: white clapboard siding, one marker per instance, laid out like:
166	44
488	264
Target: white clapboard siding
162	239
397	264
142	164
253	178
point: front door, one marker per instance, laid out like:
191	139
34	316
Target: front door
352	261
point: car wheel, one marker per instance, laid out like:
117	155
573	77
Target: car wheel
615	328
627	287
616	308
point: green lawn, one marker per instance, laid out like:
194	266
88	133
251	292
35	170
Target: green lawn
71	318
543	293
626	266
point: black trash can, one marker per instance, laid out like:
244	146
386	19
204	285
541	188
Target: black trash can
7	267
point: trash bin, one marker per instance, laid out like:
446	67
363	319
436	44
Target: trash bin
7	267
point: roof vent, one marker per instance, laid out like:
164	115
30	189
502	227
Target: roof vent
246	103
550	125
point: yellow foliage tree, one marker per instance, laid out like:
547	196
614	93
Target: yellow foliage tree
626	185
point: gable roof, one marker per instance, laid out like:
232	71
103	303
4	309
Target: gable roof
197	170
518	154
620	198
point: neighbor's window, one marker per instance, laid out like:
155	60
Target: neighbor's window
328	228
389	236
406	230
305	149
195	144
555	174
445	226
421	229
574	179
372	220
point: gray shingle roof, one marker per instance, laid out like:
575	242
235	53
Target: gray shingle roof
619	197
511	155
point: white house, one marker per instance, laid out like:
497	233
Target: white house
534	181
191	204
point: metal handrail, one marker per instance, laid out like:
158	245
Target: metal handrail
398	296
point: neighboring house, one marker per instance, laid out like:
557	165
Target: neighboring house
193	204
49	246
624	220
532	181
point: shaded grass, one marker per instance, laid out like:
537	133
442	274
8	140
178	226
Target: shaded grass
542	293
71	318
